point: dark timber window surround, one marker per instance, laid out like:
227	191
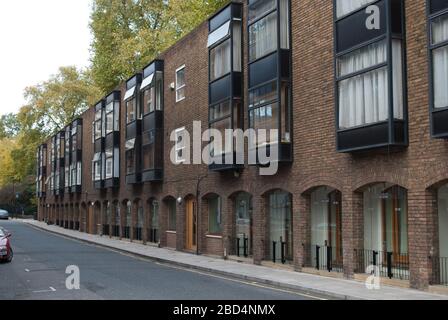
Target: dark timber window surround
438	57
225	81
151	98
371	108
98	161
41	175
270	70
111	162
75	169
67	155
133	129
59	165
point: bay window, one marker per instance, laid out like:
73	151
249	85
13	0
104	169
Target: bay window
97	167
98	137
151	158
280	227
438	47
110	151
109	164
270	75
133	130
225	84
371	105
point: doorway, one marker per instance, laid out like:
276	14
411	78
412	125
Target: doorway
191	225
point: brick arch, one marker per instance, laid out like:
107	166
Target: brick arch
210	194
311	183
436	178
236	193
362	183
271	190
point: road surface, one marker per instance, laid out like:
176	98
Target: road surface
41	259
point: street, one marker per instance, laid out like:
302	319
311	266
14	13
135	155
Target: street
40	261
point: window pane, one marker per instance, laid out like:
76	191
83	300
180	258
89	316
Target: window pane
259	8
172	215
440	77
109	168
148	157
344	7
263	37
363	58
284	24
220	110
214	215
159	90
180	78
237	55
130	111
285	129
109	122
148	100
130	163
220	60
221	126
98	129
440	30
363	99
263	94
280	223
218	34
266	118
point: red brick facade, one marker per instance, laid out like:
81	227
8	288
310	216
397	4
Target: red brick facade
420	168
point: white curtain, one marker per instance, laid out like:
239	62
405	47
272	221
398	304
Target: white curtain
344	7
319	217
442	202
263	36
363	99
237	55
372	218
284	24
440	63
280	221
220	60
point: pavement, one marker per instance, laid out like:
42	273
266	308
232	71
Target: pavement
312	285
38	272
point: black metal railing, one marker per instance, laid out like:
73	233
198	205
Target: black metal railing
389	264
439	271
325	258
76	225
66	225
242	246
126	233
282	246
106	229
71	225
138	234
153	235
57	223
115	231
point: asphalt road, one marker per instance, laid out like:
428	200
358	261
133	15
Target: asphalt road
40	261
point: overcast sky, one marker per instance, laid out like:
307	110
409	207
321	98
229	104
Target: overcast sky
37	37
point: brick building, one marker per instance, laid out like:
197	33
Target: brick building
362	115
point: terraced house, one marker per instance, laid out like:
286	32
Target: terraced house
362	114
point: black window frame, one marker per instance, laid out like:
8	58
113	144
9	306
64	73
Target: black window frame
361	138
438	116
282	73
151	140
231	81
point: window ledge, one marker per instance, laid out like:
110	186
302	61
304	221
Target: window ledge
213	236
171	232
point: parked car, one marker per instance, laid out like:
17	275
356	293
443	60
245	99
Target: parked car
4	215
6	253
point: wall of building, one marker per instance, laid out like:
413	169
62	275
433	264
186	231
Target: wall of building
416	168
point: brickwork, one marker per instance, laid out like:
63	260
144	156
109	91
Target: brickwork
420	168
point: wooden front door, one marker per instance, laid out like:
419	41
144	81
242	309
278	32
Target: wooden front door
191	225
392	222
91	221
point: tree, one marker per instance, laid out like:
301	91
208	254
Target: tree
128	34
54	103
9	126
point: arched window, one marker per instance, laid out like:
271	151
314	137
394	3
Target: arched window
280	227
